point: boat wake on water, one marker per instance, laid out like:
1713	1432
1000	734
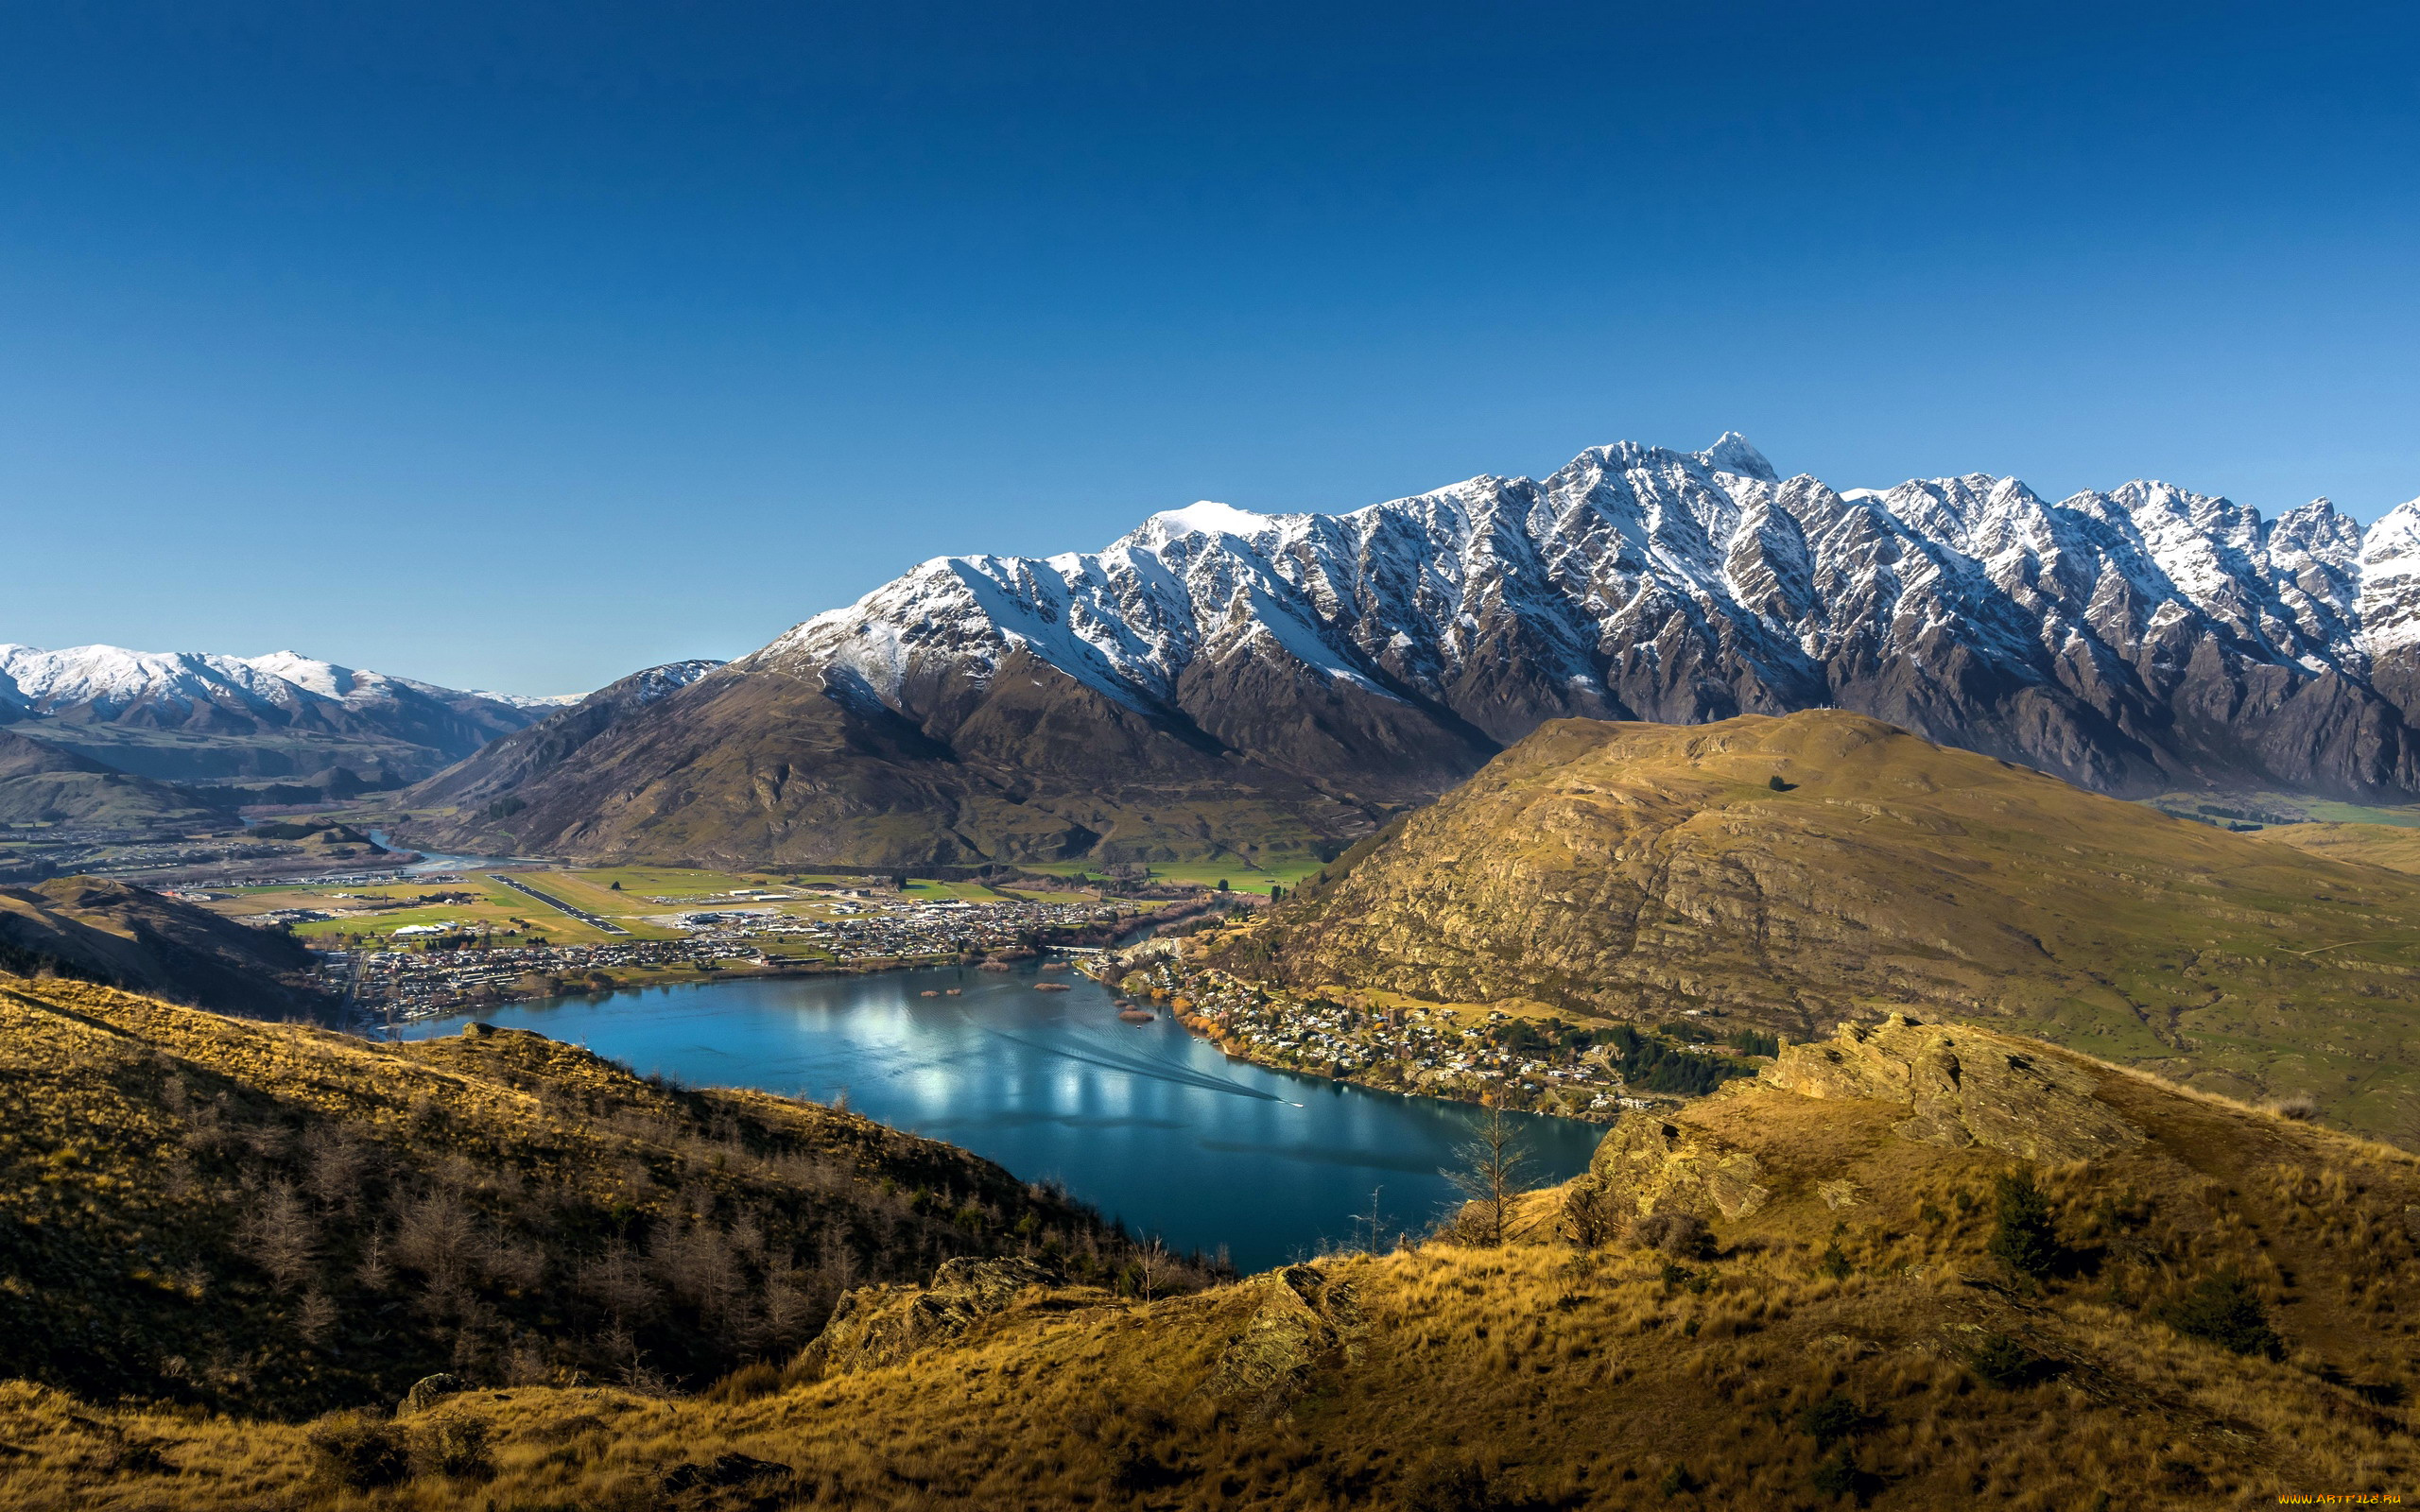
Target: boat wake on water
1156	1070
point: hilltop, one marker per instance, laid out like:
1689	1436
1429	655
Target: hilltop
279	1221
1787	873
44	784
1913	1267
108	931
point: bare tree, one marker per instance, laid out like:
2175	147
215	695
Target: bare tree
1493	1172
1368	1222
1157	1266
281	1236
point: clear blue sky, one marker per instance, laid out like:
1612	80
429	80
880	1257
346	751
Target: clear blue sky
520	345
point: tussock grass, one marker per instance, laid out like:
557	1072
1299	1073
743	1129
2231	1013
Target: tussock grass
1921	1373
283	1220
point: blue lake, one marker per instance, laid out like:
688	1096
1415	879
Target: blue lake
1147	1122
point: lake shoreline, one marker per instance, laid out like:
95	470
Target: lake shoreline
1147	1121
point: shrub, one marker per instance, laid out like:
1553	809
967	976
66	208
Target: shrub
1676	1481
2225	1310
2005	1362
359	1451
1838	1475
1831	1420
1681	1235
1590	1212
1448	1485
2024	1241
747	1383
453	1444
1834	1263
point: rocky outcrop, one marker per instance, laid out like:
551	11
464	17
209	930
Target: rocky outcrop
1961	1088
428	1391
875	1326
1646	1164
1297	1320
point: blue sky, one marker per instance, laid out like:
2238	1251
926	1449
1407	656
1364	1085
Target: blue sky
520	345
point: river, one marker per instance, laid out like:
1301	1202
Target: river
1153	1126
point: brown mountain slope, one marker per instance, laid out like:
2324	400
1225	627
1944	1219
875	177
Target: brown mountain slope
2217	1306
283	1220
1638	871
40	783
127	937
773	766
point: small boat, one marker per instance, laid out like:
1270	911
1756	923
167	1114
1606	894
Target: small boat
1137	1016
929	992
1052	986
952	991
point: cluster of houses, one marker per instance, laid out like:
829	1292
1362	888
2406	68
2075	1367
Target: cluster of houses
1432	1051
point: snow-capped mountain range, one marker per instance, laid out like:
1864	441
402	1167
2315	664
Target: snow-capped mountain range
284	714
1218	670
111	681
2130	640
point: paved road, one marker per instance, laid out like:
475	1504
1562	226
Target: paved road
580	913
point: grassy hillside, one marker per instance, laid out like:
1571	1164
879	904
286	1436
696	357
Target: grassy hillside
43	785
1640	871
283	1220
2396	847
102	931
2215	1306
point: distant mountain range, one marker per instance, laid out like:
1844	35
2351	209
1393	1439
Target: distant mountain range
189	717
1217	679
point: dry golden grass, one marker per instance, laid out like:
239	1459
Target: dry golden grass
1543	1375
1635	870
279	1220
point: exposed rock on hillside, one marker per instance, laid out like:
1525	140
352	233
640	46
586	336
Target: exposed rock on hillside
875	1326
1297	1321
1646	1165
1961	1088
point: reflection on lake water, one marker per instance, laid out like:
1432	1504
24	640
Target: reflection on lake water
1145	1121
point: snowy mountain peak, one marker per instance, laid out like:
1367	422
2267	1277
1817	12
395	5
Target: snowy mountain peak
1731	453
1204	517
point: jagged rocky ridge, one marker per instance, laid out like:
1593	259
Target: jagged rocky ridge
1332	667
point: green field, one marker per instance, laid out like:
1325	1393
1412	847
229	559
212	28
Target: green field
2288	806
497	910
1239	875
